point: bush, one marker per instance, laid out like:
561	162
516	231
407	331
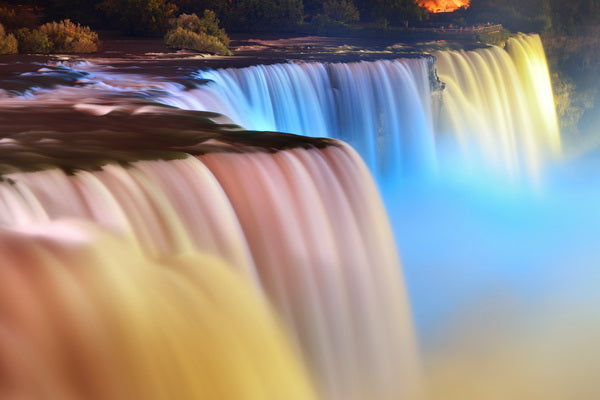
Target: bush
67	37
208	25
180	38
8	43
323	25
33	41
199	34
341	10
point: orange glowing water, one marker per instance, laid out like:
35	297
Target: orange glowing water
438	6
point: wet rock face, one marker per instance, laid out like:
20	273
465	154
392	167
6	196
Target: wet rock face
77	138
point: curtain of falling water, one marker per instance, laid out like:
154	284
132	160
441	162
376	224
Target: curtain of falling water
496	110
498	107
381	108
307	226
87	314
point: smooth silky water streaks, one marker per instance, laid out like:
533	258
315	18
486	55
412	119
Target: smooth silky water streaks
313	222
381	108
489	229
303	226
497	108
86	314
485	245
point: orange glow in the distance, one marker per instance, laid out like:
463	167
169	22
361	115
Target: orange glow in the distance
437	6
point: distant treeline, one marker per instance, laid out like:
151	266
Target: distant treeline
151	17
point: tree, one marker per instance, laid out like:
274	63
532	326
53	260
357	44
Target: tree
199	34
515	15
81	11
341	10
220	7
265	15
140	17
395	11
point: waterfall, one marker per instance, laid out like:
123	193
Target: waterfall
153	252
381	108
496	108
302	230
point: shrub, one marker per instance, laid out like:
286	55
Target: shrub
208	24
67	37
340	10
180	38
33	41
324	25
8	43
199	34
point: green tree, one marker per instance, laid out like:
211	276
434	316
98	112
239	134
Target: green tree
140	17
33	41
220	7
8	42
82	11
515	15
395	11
341	10
265	15
576	16
207	25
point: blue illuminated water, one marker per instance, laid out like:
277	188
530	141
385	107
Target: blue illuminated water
483	208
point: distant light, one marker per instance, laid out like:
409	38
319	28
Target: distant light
438	6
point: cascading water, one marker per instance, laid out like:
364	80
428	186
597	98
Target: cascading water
121	226
497	107
301	225
381	108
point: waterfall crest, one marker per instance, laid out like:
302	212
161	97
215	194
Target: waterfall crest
496	111
381	108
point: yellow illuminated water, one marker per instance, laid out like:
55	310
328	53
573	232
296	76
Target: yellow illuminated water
498	107
250	275
87	314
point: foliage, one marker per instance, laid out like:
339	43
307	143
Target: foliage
312	7
183	39
496	38
220	7
33	41
265	15
67	37
324	25
83	11
341	10
200	34
575	16
140	17
380	25
8	42
395	11
517	16
13	18
208	24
